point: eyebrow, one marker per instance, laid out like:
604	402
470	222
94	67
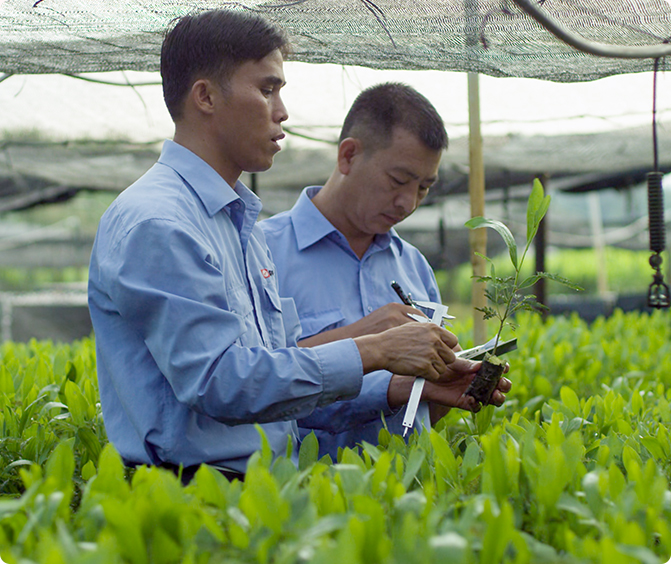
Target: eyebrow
412	175
274	80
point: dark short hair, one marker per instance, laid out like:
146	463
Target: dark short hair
212	44
379	109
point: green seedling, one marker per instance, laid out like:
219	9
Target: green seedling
505	294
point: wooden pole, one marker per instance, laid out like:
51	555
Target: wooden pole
598	242
540	247
476	189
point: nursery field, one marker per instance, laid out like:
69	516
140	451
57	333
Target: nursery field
626	272
574	468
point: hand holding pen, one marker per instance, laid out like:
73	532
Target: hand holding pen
407	300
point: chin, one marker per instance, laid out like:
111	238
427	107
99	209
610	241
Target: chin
259	167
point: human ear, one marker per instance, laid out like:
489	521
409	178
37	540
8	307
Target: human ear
202	95
348	149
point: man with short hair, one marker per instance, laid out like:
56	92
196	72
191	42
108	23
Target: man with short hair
337	253
194	344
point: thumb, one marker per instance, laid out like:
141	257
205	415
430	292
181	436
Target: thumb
464	366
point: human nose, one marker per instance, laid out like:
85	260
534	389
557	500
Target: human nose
280	112
408	200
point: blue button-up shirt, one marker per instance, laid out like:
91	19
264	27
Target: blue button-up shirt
194	345
333	288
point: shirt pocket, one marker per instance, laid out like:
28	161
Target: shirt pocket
239	303
318	322
273	318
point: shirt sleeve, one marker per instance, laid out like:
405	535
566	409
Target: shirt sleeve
366	407
169	287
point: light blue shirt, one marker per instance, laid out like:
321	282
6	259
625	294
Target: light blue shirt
333	288
194	344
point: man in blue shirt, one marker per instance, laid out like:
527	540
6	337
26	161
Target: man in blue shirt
337	254
194	344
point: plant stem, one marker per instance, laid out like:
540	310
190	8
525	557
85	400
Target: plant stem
509	302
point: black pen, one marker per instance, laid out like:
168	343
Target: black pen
401	294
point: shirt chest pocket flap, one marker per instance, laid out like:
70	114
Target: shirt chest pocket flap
318	322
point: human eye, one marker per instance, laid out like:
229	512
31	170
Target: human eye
397	180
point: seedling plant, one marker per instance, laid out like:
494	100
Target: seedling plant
506	294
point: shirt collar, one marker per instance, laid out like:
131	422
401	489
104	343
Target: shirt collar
311	226
211	188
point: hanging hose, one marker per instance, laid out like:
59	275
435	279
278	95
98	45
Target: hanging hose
656	212
658	292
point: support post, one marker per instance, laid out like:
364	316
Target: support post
598	242
540	247
476	189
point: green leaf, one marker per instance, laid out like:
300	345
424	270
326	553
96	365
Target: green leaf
110	479
654	447
561	280
261	500
266	451
444	455
6	382
570	399
28	413
488	312
351	478
20	462
127	528
501	229
483	419
415	461
309	451
498	534
61	464
528	282
537	207
90	442
76	403
88	471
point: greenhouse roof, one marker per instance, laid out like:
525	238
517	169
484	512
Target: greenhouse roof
493	37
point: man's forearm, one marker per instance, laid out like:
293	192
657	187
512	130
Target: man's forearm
386	317
336	334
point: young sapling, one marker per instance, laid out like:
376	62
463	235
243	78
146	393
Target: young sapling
505	293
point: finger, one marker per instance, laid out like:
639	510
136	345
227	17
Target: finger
462	366
472	404
431	374
469	403
448	356
438	368
497	399
450	339
504	385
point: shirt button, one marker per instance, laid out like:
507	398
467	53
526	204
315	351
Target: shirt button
370	308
